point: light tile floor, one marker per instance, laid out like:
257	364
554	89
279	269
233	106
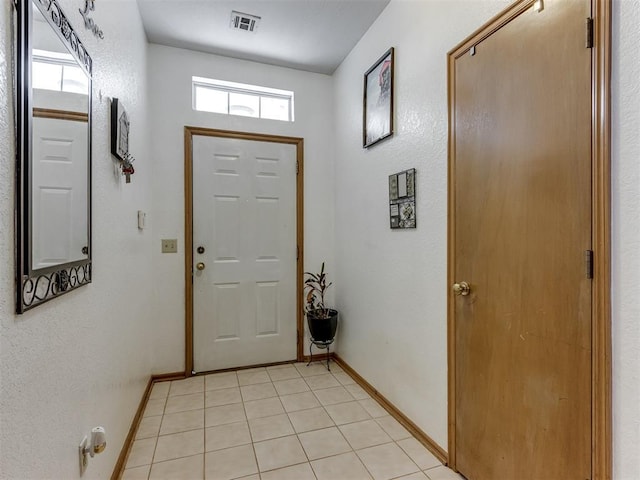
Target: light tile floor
275	423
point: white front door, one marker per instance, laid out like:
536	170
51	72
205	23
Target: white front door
59	182
244	241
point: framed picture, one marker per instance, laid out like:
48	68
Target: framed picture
378	101
119	130
402	199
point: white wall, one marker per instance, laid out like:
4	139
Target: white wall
625	120
83	359
391	284
170	72
48	376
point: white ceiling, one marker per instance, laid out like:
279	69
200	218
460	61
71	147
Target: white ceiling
311	35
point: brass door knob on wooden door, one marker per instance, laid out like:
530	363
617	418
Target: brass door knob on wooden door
200	266
461	288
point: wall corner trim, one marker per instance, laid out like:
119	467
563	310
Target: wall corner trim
421	436
118	469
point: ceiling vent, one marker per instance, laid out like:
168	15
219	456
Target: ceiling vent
244	21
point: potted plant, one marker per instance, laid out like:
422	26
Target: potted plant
322	321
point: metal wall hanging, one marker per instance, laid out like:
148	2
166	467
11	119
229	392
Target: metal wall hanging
89	24
58	20
377	123
402	199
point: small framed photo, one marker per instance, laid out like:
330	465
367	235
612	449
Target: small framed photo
378	101
402	199
119	130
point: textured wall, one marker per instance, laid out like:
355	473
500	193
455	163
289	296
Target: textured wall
49	376
170	72
84	359
626	238
391	284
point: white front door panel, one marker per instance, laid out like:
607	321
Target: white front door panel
59	182
244	217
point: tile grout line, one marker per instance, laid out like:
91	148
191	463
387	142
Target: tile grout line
279	396
253	445
155	446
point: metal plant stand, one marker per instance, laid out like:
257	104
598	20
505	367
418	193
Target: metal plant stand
321	344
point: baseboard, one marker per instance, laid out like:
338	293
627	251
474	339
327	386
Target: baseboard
126	447
246	367
317	356
164	377
422	437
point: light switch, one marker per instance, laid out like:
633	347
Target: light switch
142	219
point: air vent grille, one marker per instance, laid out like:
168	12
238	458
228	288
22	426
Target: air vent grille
244	21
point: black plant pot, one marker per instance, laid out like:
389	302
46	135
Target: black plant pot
322	329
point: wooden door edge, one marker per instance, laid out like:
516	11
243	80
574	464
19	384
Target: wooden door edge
300	243
298	142
188	249
601	385
601	373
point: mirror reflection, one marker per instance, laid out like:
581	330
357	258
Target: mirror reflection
53	130
59	155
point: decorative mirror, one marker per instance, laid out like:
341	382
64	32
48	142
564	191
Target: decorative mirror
53	126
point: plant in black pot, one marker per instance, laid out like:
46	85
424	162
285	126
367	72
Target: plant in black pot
322	321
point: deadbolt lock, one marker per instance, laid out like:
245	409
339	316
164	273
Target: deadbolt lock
461	288
201	250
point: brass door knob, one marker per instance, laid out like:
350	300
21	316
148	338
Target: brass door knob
461	288
200	266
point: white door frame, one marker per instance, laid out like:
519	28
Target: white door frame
189	133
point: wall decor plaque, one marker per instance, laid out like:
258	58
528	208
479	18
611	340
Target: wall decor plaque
402	199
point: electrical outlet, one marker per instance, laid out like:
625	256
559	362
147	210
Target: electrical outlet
84	455
169	245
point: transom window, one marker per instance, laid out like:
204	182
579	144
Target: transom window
231	98
58	72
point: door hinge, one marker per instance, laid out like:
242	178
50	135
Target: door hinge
589	33
297	252
588	257
297	167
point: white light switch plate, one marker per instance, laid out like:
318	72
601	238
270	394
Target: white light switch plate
142	219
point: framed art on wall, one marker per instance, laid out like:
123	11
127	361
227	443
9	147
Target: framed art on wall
119	130
402	199
378	100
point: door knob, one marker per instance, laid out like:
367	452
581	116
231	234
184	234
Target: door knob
461	288
200	266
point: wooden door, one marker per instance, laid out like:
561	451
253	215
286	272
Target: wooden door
520	109
244	242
